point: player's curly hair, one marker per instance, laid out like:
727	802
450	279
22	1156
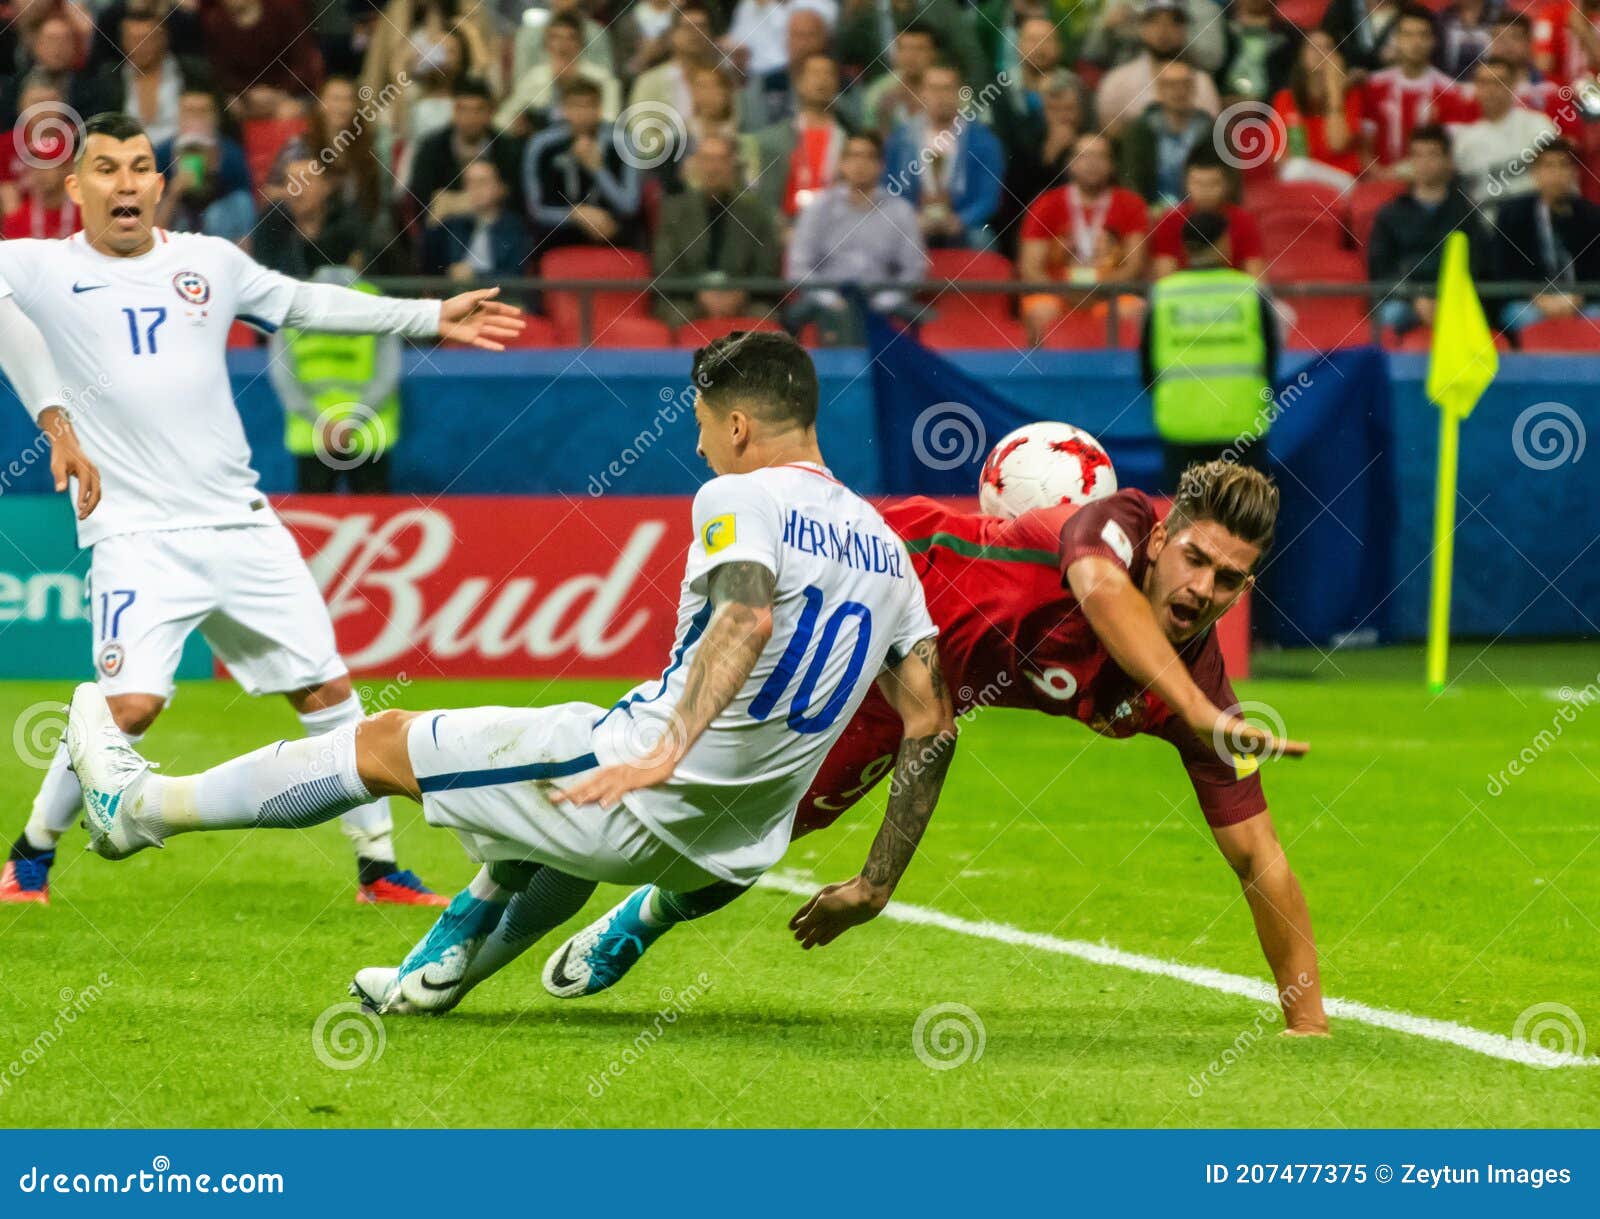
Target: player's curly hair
1243	500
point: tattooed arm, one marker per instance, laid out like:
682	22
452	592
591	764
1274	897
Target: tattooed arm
741	624
915	688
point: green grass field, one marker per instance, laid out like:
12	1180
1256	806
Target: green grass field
1430	896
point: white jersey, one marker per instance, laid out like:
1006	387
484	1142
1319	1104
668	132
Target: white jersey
846	599
140	344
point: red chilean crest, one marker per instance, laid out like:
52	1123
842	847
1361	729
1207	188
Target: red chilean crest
192	286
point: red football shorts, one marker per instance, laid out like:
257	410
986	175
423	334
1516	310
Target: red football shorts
862	755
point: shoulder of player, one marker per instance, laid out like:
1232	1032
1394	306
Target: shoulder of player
199	245
729	491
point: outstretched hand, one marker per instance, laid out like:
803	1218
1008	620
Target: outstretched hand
1260	742
835	910
478	320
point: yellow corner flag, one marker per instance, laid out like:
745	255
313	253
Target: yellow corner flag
1460	367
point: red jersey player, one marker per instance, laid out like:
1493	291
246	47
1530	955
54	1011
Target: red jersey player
1101	613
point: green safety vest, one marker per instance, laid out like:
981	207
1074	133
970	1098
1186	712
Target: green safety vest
1209	356
336	369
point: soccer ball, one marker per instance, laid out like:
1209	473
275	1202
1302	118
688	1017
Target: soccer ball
1041	465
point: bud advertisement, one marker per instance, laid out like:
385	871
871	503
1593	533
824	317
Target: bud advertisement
461	586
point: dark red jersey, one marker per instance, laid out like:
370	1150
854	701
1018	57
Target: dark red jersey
1011	634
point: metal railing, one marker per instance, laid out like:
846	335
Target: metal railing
768	293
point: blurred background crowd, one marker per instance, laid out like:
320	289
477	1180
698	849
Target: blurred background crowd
874	142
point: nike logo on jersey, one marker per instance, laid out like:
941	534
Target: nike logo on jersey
77	289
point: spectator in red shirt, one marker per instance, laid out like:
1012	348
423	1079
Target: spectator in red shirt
1209	186
1321	115
1409	94
1084	232
261	53
1566	38
40	106
44	210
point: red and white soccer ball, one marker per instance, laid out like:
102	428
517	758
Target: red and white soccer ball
1041	465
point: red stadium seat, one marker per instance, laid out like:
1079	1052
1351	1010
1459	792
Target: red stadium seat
1270	195
1561	334
1367	199
595	262
976	265
1328	323
629	331
1290	229
698	334
1308	261
1420	340
968	332
537	332
1084	329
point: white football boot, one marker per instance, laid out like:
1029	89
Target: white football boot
431	980
376	986
112	775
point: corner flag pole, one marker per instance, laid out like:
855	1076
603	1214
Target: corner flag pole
1461	365
1444	533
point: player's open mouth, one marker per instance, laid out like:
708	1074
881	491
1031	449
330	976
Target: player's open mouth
127	214
1184	615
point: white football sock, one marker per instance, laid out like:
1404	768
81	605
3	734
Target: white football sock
291	784
369	828
60	797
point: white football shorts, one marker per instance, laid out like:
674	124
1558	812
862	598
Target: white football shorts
245	588
489	772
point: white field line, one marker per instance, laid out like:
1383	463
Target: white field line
1492	1045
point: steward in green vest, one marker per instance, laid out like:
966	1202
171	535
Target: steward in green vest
341	400
1207	356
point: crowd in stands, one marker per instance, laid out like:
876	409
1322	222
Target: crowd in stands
881	142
